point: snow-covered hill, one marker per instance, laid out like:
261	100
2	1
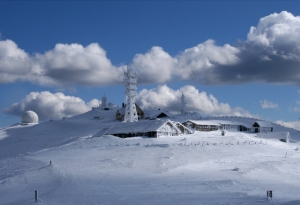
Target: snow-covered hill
202	168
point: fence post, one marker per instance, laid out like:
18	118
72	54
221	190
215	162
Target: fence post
269	194
287	137
36	195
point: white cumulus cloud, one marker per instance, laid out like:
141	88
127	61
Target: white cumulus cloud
279	32
15	64
296	108
77	64
265	104
166	98
64	65
291	124
271	53
51	105
155	66
200	62
57	105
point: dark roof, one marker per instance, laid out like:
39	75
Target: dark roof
204	122
219	122
123	109
264	124
138	127
160	114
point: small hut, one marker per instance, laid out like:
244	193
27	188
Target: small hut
263	126
160	114
121	112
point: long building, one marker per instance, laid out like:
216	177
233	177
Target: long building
212	125
149	128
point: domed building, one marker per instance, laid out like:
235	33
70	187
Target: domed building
30	117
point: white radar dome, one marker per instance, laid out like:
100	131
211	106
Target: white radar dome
30	117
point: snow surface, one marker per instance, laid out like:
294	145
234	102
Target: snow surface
201	168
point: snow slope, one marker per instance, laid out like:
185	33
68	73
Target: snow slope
202	168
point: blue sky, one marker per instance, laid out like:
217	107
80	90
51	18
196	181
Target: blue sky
202	48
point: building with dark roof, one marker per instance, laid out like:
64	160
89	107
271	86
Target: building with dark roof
149	128
121	112
263	126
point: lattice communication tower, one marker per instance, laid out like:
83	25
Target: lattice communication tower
130	79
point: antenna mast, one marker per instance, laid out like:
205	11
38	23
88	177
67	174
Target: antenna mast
183	103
